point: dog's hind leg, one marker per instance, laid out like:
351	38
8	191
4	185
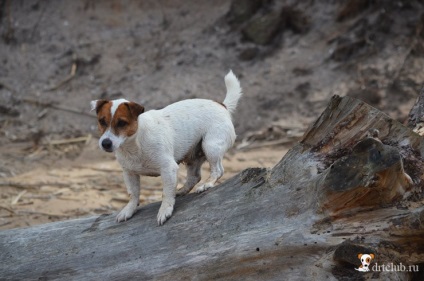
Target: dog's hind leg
193	176
214	152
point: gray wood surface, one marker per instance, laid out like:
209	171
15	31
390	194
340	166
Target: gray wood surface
263	224
237	223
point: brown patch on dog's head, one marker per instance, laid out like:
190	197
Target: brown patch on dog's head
104	116
124	121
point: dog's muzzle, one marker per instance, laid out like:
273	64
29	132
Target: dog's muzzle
107	145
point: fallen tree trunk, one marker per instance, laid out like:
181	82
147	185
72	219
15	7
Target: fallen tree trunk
352	185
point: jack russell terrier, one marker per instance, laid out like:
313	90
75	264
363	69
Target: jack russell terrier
153	143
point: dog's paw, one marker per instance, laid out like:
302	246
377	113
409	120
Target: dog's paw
204	187
182	192
165	212
125	214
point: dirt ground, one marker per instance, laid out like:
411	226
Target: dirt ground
57	56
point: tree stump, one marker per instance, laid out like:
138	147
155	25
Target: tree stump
352	185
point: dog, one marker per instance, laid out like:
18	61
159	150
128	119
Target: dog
365	260
155	142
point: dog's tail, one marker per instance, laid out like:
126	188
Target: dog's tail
233	91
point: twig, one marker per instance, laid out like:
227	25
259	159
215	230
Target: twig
41	213
35	153
73	140
17	185
41	197
67	79
119	199
32	185
46	104
7	209
100	169
14	201
69	198
58	107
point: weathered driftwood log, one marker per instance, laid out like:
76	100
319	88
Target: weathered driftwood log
343	190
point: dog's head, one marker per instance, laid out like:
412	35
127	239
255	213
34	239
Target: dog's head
366	259
117	120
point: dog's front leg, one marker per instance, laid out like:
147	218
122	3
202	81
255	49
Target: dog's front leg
132	182
169	174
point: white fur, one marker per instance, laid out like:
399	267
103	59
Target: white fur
233	91
165	137
115	104
93	104
116	140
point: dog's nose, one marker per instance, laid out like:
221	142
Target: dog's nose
107	144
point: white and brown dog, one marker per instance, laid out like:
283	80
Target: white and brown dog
366	261
153	143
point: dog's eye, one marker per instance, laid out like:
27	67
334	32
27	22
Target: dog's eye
102	122
121	123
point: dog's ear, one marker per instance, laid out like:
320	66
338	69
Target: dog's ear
135	108
359	256
372	256
93	104
97	104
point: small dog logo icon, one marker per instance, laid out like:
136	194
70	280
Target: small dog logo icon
365	260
